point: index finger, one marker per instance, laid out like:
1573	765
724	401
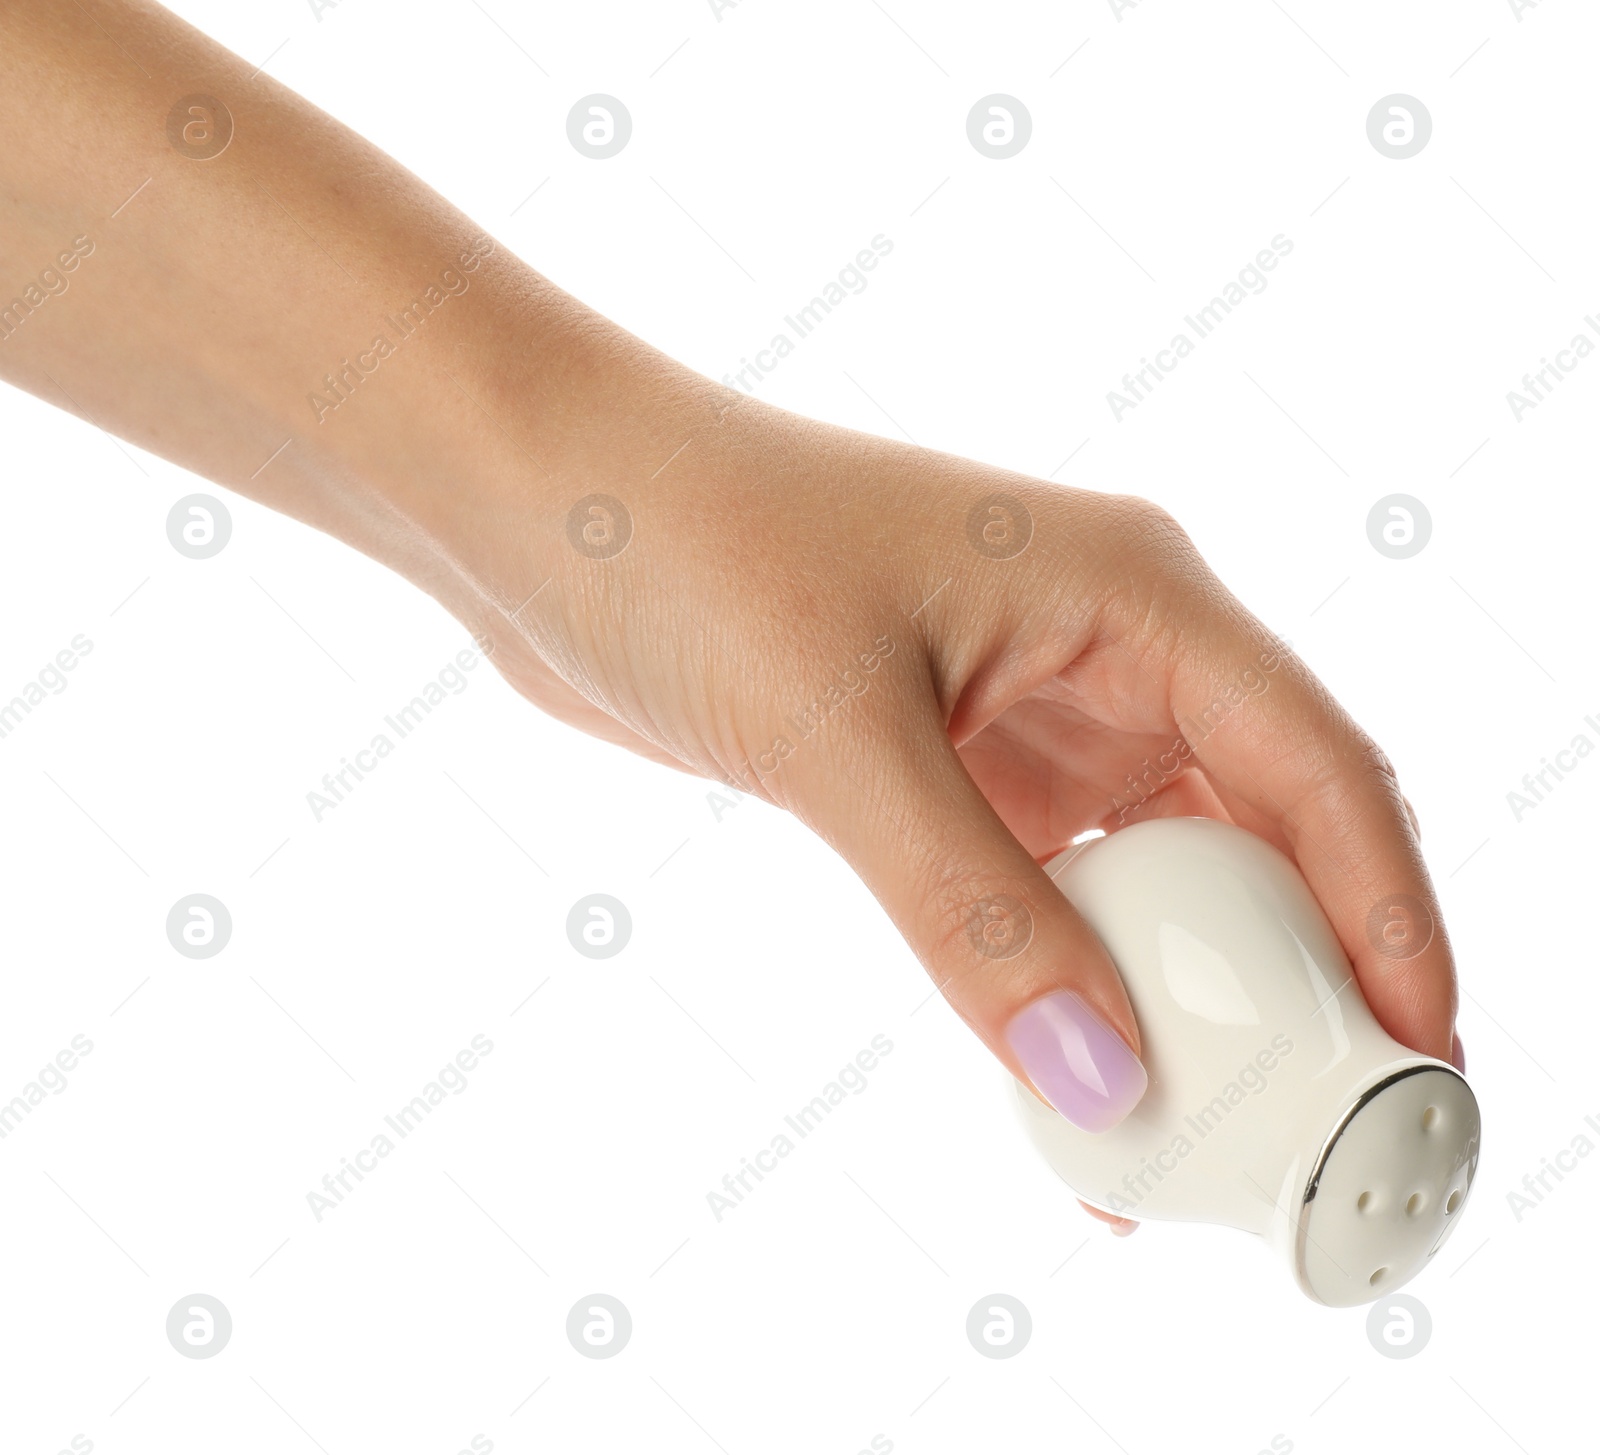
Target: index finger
1298	759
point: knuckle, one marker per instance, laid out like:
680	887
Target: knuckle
1150	575
1148	530
1352	776
1367	765
1147	557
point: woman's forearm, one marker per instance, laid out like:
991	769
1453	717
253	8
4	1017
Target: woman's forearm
297	317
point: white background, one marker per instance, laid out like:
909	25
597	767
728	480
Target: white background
368	949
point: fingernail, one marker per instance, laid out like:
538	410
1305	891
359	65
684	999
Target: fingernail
1458	1057
1081	1066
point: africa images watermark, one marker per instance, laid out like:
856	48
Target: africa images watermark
451	1078
1538	786
1194	730
850	279
1250	1080
52	282
1536	1185
807	719
1539	384
1138	385
341	384
851	1080
51	1078
450	680
50	678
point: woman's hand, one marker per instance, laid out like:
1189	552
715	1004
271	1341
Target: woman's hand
949	672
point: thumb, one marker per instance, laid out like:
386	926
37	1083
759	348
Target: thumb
1001	942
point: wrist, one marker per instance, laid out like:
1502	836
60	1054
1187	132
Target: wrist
454	436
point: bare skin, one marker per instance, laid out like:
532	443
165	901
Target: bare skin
1011	697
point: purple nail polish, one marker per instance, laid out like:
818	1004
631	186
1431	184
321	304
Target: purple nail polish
1081	1066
